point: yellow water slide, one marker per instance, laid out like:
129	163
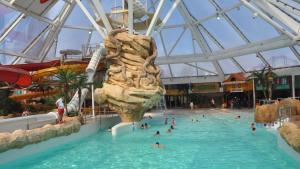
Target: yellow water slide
54	70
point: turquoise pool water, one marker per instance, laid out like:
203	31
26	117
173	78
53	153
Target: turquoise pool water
218	141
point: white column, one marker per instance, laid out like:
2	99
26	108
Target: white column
93	100
293	86
254	96
155	17
130	16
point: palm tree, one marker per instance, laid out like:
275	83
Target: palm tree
65	78
40	87
79	83
266	78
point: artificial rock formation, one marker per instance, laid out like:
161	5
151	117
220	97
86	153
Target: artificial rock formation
133	81
266	113
290	132
291	103
21	138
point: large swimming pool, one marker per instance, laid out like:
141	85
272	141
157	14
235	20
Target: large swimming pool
218	141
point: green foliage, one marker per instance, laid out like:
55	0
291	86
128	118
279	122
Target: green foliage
40	87
9	106
69	80
266	77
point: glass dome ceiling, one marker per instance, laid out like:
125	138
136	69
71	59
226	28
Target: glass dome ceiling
200	38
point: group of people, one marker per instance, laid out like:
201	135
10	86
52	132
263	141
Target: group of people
212	104
157	133
144	126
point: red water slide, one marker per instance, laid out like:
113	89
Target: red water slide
19	74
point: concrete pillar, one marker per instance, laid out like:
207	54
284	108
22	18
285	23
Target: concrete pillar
254	96
93	100
293	86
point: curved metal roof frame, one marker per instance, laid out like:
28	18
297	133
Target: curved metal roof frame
282	16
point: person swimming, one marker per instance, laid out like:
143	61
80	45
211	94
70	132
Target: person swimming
157	145
169	131
172	127
146	125
157	133
142	126
173	121
253	128
166	120
238	117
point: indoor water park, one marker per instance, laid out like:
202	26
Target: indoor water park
158	84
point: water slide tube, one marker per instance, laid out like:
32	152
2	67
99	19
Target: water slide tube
43	73
54	70
15	76
20	97
98	55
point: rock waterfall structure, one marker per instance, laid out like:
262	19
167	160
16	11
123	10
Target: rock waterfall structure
132	84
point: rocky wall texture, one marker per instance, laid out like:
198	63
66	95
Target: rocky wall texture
269	113
21	138
266	113
132	83
290	132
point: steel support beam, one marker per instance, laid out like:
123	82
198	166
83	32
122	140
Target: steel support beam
168	16
100	11
268	19
254	47
26	12
190	21
187	80
279	15
155	18
91	19
285	7
54	31
11	27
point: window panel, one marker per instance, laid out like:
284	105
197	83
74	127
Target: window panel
23	34
250	62
208	66
200	9
223	32
7	16
165	71
228	66
254	28
54	11
183	70
283	57
66	39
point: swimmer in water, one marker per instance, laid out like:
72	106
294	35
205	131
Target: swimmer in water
169	131
157	145
173	121
172	127
238	117
142	126
157	133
